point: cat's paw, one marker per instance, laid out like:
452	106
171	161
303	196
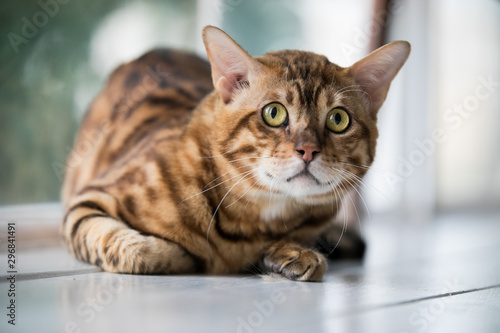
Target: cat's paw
296	263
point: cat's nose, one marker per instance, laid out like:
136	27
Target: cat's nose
308	151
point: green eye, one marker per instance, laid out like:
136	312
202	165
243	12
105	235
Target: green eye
274	114
337	120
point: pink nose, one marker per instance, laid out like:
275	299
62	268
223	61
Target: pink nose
307	150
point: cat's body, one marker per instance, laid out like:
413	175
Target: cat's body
164	178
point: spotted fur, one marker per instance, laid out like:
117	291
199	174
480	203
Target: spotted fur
171	176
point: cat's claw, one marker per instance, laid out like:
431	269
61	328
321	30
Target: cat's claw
296	263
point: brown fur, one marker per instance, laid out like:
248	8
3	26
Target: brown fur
164	174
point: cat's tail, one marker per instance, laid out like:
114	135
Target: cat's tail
94	235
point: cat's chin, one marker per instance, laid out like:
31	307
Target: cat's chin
303	188
300	186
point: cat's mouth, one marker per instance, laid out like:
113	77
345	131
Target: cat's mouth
304	173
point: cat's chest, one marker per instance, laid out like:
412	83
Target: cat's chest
283	211
281	208
285	214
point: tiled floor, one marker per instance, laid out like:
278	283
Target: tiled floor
443	276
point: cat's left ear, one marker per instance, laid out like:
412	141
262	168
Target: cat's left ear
375	72
231	65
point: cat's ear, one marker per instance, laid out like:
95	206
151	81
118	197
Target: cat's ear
375	72
231	65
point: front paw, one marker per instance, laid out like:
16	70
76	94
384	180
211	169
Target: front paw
296	263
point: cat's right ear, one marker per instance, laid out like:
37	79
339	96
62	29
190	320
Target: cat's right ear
231	65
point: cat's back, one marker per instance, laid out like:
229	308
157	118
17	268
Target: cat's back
152	96
174	78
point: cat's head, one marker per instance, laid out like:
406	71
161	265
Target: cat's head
292	122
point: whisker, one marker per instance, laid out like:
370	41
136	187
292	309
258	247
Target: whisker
344	190
287	194
356	209
214	156
364	182
360	183
248	189
354	204
340	194
251	197
241	167
354	187
256	268
246	158
356	180
367	167
271	188
224	197
330	181
347	89
208	189
354	88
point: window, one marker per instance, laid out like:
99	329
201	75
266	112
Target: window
438	147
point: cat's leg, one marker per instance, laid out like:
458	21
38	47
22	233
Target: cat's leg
294	262
94	236
341	240
339	243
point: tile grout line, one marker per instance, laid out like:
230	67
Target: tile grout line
417	300
48	275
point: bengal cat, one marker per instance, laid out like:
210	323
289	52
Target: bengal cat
171	176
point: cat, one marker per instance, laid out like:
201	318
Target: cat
186	166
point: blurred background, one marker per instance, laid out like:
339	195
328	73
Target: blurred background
439	145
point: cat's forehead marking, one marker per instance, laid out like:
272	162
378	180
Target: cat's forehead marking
306	77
